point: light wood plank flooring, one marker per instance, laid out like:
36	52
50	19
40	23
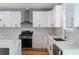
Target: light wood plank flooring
34	52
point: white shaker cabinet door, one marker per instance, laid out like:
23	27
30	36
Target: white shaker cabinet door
44	42
49	22
5	19
16	19
39	42
36	19
69	15
57	16
8	20
40	19
43	18
2	20
76	15
35	42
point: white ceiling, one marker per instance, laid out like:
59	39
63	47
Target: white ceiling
27	5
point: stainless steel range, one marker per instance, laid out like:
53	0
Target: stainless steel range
26	37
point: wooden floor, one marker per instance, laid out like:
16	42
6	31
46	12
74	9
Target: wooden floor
34	52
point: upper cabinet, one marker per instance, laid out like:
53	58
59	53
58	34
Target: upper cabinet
68	10
35	19
50	19
16	19
4	18
57	16
70	15
41	19
10	18
76	15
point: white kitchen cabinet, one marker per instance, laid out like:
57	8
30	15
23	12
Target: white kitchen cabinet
16	19
39	42
44	41
10	18
4	19
35	42
76	15
70	16
71	13
42	19
36	19
57	16
49	22
50	46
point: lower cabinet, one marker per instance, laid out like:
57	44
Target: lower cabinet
39	42
50	47
42	42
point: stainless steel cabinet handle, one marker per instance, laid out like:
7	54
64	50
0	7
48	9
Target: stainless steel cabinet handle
15	25
59	53
51	24
72	20
50	47
3	25
47	42
0	19
39	25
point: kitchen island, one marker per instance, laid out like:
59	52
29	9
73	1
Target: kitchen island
12	43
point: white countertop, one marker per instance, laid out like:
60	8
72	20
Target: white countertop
9	36
64	45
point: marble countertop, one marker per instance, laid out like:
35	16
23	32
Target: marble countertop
64	45
9	36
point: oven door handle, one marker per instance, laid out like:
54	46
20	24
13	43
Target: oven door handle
59	53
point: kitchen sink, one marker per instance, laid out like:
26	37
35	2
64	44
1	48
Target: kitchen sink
58	39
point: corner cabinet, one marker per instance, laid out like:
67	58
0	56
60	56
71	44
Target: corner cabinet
10	18
57	16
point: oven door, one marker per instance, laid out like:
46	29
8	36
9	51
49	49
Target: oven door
26	43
